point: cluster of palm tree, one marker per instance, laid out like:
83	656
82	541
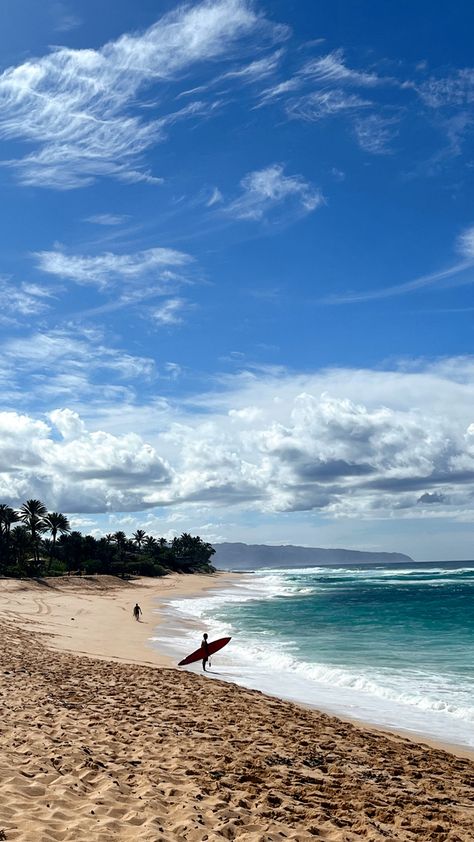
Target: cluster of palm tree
35	542
24	540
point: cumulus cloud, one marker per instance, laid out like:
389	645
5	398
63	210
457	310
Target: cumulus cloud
431	497
277	443
88	471
68	423
74	106
265	190
267	442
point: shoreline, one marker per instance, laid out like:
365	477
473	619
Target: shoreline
417	737
92	616
121	747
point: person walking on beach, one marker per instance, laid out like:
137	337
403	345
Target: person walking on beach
205	649
137	611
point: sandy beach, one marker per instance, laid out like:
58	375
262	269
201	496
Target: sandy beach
102	738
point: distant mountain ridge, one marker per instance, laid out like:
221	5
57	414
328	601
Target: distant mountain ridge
238	556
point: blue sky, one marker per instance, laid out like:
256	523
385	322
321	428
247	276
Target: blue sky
237	255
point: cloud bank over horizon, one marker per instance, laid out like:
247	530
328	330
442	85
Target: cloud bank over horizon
266	441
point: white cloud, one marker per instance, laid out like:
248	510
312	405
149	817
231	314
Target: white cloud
169	313
107	219
105	269
23	300
215	198
320	104
329	74
85	471
46	365
276	443
375	133
64	19
68	423
330	69
250	414
256	70
131	176
455	90
73	105
280	90
173	370
265	442
466	243
457	274
194	109
267	189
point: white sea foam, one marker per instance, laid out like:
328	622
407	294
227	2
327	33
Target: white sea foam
414	700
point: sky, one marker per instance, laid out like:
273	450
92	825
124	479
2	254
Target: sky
236	268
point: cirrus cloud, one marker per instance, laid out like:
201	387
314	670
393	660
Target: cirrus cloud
75	107
105	269
266	190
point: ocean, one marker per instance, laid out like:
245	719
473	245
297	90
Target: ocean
391	645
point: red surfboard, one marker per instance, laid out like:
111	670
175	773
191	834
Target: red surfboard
198	655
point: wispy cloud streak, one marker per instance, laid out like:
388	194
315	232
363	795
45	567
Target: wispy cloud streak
465	247
331	69
74	106
105	269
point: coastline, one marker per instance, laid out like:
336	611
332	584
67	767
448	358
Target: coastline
121	747
168	624
92	616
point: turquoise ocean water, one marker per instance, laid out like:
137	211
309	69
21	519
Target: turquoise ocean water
388	644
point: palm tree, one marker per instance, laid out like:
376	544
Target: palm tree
139	537
21	545
32	513
7	517
120	539
55	522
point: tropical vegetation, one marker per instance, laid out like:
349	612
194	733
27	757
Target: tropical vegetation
35	542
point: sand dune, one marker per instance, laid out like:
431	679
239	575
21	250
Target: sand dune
100	750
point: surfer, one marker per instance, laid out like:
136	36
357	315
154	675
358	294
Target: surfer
205	650
137	611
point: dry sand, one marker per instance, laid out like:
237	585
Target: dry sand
100	750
